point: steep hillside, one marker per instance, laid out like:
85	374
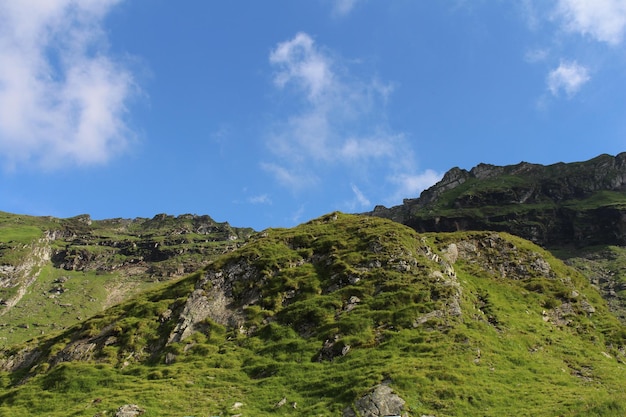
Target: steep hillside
576	210
344	315
577	204
56	272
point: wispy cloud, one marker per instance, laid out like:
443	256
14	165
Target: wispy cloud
568	77
62	98
260	199
360	198
343	7
290	178
603	20
531	15
296	216
536	55
599	21
411	185
338	120
302	63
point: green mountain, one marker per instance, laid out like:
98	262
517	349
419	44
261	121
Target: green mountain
499	291
345	315
576	210
574	205
57	272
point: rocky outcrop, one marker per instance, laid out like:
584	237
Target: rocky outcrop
501	257
21	359
25	273
581	204
213	299
143	246
381	401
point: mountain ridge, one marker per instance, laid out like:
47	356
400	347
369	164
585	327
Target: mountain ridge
343	315
52	265
576	210
537	202
350	315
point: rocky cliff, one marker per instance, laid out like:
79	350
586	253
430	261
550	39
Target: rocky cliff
578	204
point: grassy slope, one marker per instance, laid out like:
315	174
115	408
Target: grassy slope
510	188
500	357
17	233
492	203
107	279
42	310
605	267
527	190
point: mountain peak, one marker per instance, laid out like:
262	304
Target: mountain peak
538	202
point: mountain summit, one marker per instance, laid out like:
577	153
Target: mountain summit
578	204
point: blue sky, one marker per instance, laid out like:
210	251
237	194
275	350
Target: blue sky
268	114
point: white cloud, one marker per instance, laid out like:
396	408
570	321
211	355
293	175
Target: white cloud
530	14
536	55
361	200
290	178
301	63
303	137
260	199
343	7
369	147
338	120
296	216
569	77
62	99
604	20
409	186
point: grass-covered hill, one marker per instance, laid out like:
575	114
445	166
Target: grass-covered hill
345	315
57	272
575	210
575	204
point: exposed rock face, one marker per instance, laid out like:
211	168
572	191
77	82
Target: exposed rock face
197	308
213	299
24	358
381	401
144	244
605	267
512	263
580	203
215	303
25	274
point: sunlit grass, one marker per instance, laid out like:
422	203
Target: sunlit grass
499	357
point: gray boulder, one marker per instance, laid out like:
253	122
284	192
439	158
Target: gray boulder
381	401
